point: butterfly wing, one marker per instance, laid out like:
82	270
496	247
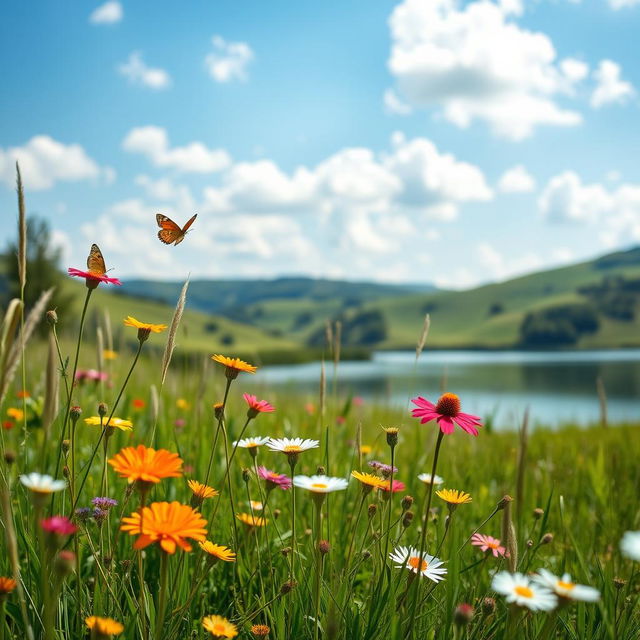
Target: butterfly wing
95	261
184	230
169	231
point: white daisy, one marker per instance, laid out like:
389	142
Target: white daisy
42	483
426	478
320	484
524	592
564	588
250	443
292	445
426	565
630	545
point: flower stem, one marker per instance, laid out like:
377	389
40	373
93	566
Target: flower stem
162	598
220	419
142	598
292	465
389	509
318	499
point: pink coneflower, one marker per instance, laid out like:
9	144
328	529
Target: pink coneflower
274	479
257	406
90	374
487	542
88	275
397	486
447	413
58	525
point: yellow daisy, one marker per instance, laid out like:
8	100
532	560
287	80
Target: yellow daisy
217	551
233	366
219	627
453	497
116	423
252	521
201	490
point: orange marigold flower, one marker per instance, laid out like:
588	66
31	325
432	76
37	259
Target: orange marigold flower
103	627
218	551
233	366
7	585
252	521
168	523
260	630
145	464
219	627
16	414
201	490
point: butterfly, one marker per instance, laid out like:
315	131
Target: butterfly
170	232
95	261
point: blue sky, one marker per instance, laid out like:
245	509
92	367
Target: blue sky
422	140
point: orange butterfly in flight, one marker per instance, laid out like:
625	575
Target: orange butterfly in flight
170	232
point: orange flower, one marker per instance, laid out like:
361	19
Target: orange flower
201	491
217	551
145	464
103	627
130	321
168	523
260	630
233	366
252	521
7	585
219	627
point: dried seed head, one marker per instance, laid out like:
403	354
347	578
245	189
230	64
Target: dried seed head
488	606
276	513
260	630
619	583
65	471
74	413
529	543
407	502
407	519
246	475
285	551
538	513
366	554
52	317
102	409
371	511
504	502
288	586
547	538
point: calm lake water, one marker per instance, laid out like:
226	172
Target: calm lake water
556	387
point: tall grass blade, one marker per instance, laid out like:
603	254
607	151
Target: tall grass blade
173	330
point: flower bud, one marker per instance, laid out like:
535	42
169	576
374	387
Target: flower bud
9	456
246	475
529	543
66	445
504	502
371	511
218	410
463	614
324	547
285	551
276	513
320	471
74	413
407	519
66	472
366	554
52	317
547	538
407	502
538	513
488	606
102	409
619	583
287	587
392	436
64	563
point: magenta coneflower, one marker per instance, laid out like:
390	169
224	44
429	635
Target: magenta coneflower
487	543
58	525
88	275
274	479
257	406
447	413
397	486
90	374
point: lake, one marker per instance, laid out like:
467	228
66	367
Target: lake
557	387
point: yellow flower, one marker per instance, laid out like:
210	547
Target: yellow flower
181	403
218	551
369	481
219	627
366	449
103	627
252	521
130	321
109	354
116	423
16	414
233	366
200	490
453	497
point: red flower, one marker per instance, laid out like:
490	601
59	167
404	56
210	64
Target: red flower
59	525
88	275
7	424
257	406
447	413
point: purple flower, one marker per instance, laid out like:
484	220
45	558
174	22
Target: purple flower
104	503
83	513
384	469
99	515
274	479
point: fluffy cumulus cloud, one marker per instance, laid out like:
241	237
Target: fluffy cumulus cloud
499	267
45	161
615	212
107	13
610	87
138	73
516	180
475	63
195	157
229	60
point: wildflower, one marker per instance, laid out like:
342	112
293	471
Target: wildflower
392	435
22	393
219	627
524	592
217	552
274	479
42	484
233	366
453	497
630	545
92	375
218	408
16	414
168	523
427	478
252	521
366	449
58	526
8	424
109	354
564	588
7	585
385	469
182	404
425	565
487	542
463	614
83	513
256	406
256	505
138	404
114	423
200	492
368	481
392	488
145	464
180	423
104	503
99	515
320	484
92	278
251	443
447	413
64	563
144	328
292	446
260	630
103	627
310	408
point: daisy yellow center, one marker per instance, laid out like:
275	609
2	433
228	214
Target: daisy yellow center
292	448
415	563
525	592
251	445
319	485
448	405
219	628
565	585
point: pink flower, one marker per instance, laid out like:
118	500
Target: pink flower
58	525
257	406
88	275
274	479
447	413
90	374
487	542
397	486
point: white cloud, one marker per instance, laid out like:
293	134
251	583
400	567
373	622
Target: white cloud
195	157
615	211
623	4
107	13
501	268
140	74
394	104
610	87
45	161
516	180
475	63
229	60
